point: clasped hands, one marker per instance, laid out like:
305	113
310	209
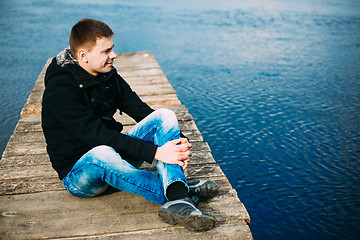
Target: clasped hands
175	152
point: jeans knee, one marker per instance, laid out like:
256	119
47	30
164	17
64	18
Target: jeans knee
167	115
103	152
108	159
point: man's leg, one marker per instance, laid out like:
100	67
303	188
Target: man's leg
160	127
103	166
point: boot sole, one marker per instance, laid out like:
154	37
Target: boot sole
196	223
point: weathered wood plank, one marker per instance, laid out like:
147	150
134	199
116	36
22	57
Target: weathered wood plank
9	162
171	99
166	96
31	108
135	60
27	137
24	149
35	148
197	167
131	211
34	144
223	231
32	136
141	72
151	93
145	80
29	185
32	122
201	154
35	184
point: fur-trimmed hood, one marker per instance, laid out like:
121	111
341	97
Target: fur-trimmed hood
65	57
64	62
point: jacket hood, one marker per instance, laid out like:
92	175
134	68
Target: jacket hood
60	64
65	58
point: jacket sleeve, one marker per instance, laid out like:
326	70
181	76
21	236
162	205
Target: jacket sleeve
63	98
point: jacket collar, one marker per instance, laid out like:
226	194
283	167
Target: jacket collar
84	79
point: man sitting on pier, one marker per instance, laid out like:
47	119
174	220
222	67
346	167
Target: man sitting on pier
85	144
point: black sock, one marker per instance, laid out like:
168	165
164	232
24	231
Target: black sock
176	190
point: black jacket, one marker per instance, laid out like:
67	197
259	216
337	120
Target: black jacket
77	110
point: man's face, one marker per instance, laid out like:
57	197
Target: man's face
101	57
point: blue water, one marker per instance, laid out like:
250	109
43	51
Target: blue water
274	87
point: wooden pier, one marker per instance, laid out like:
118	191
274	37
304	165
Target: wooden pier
35	205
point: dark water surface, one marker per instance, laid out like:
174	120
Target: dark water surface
274	87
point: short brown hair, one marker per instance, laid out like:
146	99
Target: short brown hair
86	32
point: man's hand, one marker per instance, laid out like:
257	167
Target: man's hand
172	153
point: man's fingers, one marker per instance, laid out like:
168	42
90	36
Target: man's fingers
184	156
185	165
183	147
181	164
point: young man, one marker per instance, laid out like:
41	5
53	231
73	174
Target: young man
85	144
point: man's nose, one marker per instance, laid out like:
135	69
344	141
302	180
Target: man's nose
113	55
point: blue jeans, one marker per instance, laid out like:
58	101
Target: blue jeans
103	166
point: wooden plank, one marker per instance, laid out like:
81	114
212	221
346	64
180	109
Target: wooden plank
38	159
31	108
27	137
24	149
154	89
222	231
32	122
141	72
44	178
35	148
28	185
10	165
137	80
36	96
169	100
166	96
132	213
197	167
39	147
135	60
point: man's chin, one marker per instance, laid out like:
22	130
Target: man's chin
107	68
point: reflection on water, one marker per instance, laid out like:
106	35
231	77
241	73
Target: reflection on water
274	89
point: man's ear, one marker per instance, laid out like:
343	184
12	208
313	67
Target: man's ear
82	56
